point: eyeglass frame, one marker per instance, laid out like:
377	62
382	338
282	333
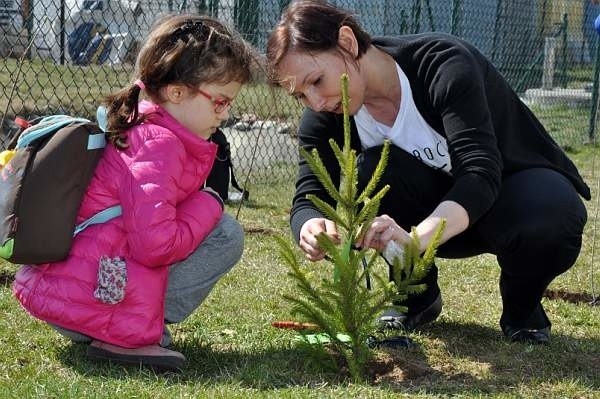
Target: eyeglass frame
219	105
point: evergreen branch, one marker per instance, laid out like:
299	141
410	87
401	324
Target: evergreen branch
373	303
311	313
381	165
429	255
313	295
330	248
416	289
373	309
316	164
298	276
327	210
350	179
345	109
424	263
370	208
287	253
337	151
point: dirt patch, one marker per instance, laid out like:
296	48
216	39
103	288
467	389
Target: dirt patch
260	230
572	297
6	277
393	367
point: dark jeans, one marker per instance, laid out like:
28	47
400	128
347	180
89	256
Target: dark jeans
534	228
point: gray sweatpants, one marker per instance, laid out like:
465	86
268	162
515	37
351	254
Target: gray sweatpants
192	279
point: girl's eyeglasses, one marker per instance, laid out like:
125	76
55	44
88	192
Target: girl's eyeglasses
220	105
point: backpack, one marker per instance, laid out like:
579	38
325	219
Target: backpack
42	186
221	174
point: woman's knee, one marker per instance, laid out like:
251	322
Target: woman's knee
550	246
538	210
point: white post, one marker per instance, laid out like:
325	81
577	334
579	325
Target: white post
549	62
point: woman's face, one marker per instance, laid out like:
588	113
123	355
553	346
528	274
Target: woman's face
314	79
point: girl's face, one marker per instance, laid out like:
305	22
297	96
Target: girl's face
203	110
314	79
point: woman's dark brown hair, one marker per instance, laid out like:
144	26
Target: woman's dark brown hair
310	26
181	49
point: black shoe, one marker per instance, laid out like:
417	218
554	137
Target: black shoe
528	335
393	319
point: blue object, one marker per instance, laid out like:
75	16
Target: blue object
100	217
48	125
597	24
102	117
87	44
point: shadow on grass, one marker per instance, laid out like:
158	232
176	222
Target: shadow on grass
271	369
494	365
477	359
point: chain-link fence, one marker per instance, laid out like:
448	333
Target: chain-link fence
63	56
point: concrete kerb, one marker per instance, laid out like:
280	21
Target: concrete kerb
273	147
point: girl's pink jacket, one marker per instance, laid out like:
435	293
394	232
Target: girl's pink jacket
165	218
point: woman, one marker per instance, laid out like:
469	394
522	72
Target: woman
464	149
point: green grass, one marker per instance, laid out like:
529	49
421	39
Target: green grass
41	87
233	352
568	126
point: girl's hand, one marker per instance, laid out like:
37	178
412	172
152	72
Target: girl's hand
308	237
383	230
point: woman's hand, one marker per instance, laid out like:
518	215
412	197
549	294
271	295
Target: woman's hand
308	237
383	230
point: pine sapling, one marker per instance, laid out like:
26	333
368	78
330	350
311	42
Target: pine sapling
342	306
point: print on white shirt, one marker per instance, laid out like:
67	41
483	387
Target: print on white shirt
410	131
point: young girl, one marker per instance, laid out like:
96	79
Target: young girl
126	278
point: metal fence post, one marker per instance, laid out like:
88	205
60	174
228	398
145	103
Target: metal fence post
497	18
416	16
455	16
564	50
27	14
594	110
62	32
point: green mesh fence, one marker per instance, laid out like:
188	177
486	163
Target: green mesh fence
62	56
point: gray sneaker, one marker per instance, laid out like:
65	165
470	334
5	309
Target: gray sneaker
152	356
393	319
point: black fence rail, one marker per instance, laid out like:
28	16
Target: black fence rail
63	56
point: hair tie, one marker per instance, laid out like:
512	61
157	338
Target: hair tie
140	84
196	28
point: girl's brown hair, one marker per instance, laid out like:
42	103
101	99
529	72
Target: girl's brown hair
310	26
181	49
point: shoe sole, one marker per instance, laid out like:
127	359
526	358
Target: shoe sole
157	363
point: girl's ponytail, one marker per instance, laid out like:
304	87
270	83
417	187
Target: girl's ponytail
123	113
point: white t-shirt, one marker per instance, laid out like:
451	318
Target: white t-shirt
410	131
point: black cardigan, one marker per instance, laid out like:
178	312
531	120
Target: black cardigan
490	132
